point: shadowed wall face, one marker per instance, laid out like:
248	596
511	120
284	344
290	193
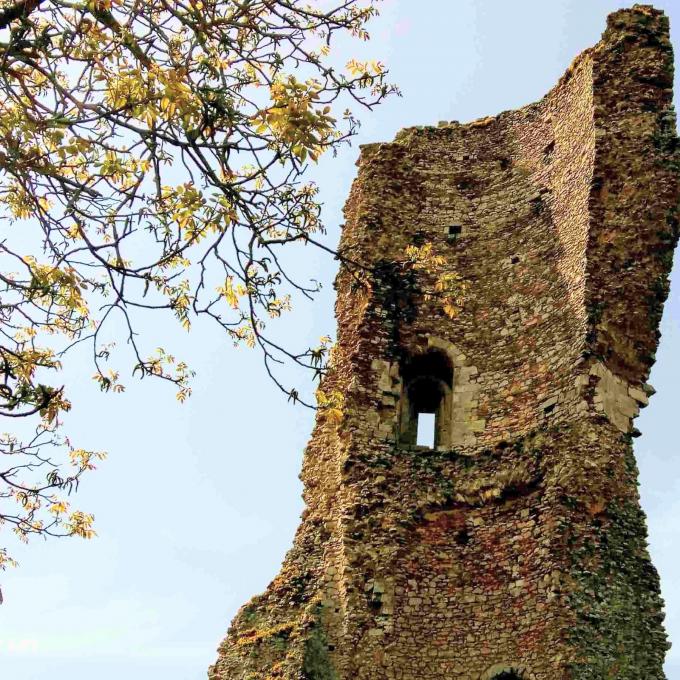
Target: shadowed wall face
515	547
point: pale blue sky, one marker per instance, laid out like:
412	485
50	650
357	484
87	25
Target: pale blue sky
197	504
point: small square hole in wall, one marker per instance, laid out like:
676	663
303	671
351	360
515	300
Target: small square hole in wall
425	436
454	231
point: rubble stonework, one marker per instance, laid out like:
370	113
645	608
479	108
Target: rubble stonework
516	547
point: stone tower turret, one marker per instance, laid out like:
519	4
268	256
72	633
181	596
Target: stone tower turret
514	546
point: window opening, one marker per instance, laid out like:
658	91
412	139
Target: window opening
426	425
454	231
426	400
507	675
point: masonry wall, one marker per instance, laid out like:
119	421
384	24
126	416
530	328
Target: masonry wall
519	543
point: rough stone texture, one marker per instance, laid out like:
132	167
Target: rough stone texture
516	547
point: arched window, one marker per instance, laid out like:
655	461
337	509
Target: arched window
505	671
426	399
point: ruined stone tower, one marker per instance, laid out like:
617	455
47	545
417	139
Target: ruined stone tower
515	547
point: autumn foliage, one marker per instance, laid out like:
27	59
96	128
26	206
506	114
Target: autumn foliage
151	162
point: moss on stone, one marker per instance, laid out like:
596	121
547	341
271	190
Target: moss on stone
317	664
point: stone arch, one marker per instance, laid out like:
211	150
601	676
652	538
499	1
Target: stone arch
505	671
463	423
427	380
457	421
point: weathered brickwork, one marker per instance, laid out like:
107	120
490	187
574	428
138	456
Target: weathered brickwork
516	546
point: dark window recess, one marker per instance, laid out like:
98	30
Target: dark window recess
548	152
454	231
507	675
462	537
537	205
514	260
428	379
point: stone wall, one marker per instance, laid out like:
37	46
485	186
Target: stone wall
517	545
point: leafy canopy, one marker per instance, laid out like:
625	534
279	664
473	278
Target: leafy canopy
151	160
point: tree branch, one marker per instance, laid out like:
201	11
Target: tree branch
19	11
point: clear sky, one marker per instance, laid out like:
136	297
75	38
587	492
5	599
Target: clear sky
197	504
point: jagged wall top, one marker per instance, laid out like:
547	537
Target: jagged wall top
567	211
